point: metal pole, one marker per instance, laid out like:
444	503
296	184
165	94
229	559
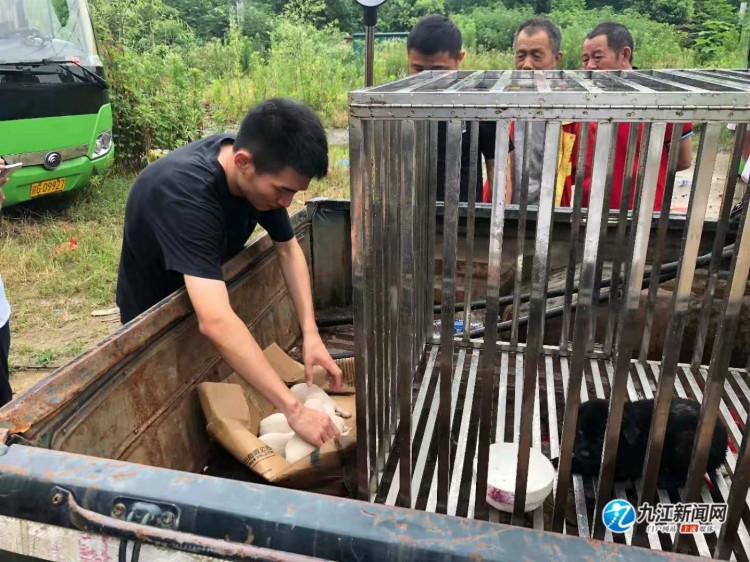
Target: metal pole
371	18
369	54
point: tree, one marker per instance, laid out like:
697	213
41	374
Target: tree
207	18
347	14
402	15
465	6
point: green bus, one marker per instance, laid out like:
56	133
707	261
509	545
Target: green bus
55	115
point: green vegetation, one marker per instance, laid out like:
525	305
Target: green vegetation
182	68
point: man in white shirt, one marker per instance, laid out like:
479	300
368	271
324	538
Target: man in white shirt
5	391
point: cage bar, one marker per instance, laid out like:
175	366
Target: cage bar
470	225
660	240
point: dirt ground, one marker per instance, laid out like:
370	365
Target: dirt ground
89	330
82	333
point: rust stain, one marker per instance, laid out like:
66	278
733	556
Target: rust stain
20	471
125	475
476	538
183	481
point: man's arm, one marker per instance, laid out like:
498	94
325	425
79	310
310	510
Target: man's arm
509	178
219	323
490	165
297	278
685	154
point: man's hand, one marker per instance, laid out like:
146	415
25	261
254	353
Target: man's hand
314	353
219	323
314	427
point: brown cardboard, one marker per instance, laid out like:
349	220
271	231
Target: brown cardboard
293	372
233	411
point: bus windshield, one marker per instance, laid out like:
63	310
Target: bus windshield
32	31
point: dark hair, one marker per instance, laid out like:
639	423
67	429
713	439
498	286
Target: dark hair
283	132
618	36
542	24
435	34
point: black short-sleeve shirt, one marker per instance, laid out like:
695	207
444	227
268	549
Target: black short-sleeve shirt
486	148
181	219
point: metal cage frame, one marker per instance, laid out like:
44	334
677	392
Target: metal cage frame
393	149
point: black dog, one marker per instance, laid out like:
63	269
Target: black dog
682	425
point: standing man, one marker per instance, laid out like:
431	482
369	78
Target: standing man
435	44
195	208
537	47
5	391
610	47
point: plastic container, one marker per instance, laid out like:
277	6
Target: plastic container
501	477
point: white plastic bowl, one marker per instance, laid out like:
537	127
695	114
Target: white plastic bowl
501	477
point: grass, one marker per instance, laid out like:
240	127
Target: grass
323	83
53	289
58	259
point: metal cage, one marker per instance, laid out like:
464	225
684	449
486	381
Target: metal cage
434	402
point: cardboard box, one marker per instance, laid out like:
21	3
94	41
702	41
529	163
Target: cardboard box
234	410
292	372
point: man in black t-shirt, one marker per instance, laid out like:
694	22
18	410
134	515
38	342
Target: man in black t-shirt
435	44
195	208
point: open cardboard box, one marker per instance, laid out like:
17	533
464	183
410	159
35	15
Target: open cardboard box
234	410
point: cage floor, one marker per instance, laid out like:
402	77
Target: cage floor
547	427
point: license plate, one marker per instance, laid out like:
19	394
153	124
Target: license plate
46	187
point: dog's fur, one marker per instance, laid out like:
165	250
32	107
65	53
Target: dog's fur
682	425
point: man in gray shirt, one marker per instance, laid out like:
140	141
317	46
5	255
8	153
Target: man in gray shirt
536	47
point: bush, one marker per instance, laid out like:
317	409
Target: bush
207	18
228	57
715	43
139	25
488	60
493	28
667	52
258	23
676	12
156	95
402	15
391	61
157	102
312	65
229	100
714	30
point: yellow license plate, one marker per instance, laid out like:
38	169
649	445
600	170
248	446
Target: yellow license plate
46	187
